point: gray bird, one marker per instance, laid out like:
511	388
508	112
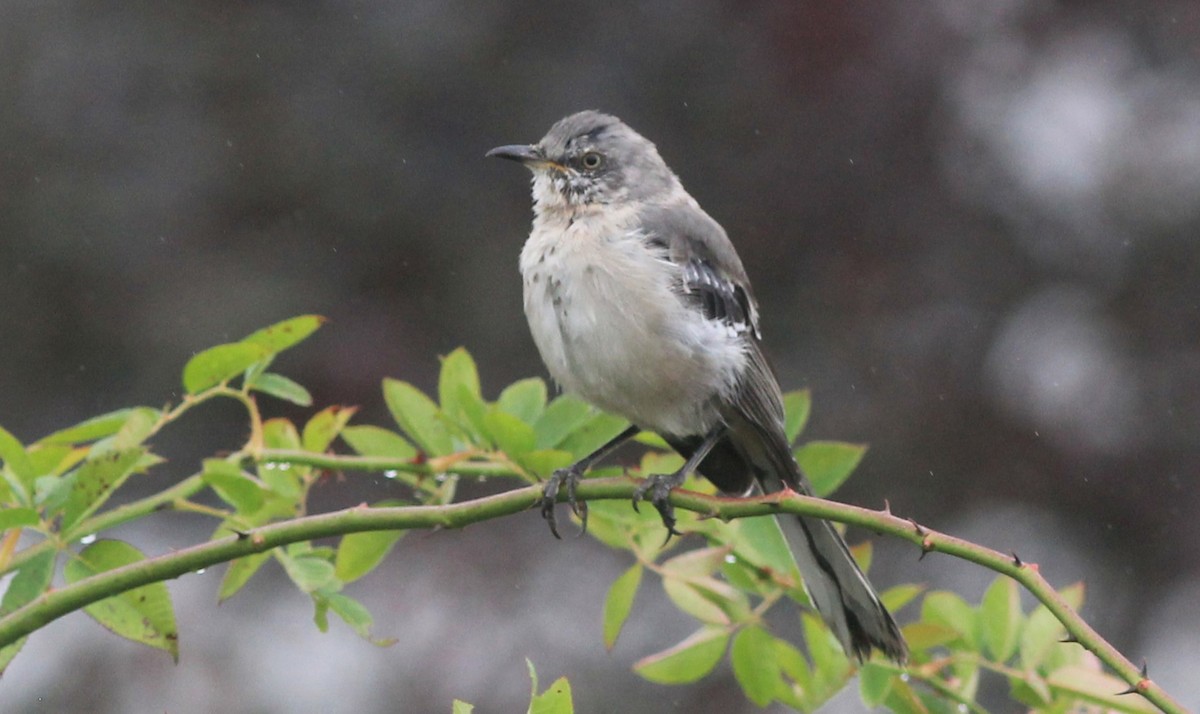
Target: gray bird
639	304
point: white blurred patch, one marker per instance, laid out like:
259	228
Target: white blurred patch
1058	364
1081	148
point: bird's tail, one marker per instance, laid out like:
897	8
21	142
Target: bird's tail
835	583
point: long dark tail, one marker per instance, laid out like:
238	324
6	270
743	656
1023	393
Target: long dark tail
836	585
838	588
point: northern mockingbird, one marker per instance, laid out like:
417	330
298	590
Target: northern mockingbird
639	304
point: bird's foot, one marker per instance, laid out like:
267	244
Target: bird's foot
657	490
569	477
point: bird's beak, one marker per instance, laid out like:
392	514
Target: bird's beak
526	154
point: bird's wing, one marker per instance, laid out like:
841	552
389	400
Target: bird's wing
711	272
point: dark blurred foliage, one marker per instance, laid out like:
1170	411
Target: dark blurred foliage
972	227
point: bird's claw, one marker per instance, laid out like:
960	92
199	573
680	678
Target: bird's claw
570	477
657	490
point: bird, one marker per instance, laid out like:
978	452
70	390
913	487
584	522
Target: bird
638	303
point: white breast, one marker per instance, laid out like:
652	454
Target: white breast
608	318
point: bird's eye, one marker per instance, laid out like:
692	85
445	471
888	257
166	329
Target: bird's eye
592	160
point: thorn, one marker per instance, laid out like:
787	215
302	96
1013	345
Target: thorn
241	535
887	507
918	527
1069	639
1016	559
1140	686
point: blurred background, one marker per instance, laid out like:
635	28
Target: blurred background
972	226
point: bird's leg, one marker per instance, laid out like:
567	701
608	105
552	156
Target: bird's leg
570	477
657	487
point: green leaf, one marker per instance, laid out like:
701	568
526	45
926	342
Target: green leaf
797	406
1098	688
619	603
1042	632
555	700
903	699
1000	618
309	573
370	440
760	542
544	462
356	615
898	596
97	427
281	387
704	597
829	463
324	426
461	707
467	419
793	665
31	580
830	664
698	562
594	433
17	517
687	661
239	573
1029	689
513	436
221	363
280	434
359	553
134	431
143	614
862	554
754	666
654	441
923	636
15	458
524	399
692	600
96	480
946	608
233	486
614	523
285	334
458	384
560	419
533	678
874	684
417	415
281	479
54	459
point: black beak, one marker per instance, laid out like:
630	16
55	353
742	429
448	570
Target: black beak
524	153
529	155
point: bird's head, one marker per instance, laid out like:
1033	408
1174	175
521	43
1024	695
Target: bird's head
590	159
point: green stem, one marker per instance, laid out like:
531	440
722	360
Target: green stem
380	463
56	603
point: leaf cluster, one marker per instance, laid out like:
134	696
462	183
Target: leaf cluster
728	575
